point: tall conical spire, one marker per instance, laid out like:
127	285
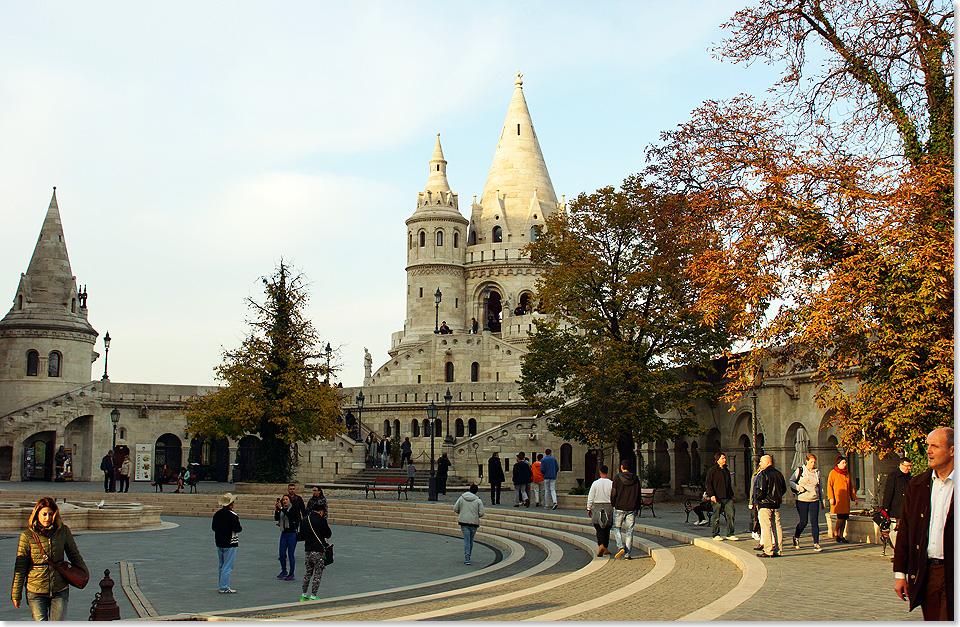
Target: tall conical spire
47	294
518	173
437	181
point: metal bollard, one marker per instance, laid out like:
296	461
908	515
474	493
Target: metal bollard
104	606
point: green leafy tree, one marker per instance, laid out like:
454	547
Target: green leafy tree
834	206
272	384
624	319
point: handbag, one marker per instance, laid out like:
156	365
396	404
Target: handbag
75	576
327	554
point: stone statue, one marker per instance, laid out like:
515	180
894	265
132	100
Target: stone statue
367	363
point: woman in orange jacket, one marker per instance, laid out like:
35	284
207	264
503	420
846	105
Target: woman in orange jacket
840	491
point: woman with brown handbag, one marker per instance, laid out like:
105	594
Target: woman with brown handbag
40	563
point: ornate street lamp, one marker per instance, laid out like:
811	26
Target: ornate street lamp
328	351
432	411
447	399
359	413
755	452
115	419
436	299
106	355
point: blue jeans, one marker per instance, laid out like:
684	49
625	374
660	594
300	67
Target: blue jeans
623	522
49	607
811	510
468	533
227	556
727	506
288	547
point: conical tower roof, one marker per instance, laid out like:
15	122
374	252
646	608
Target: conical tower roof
436	200
47	296
437	181
518	173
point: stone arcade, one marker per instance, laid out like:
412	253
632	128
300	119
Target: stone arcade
457	270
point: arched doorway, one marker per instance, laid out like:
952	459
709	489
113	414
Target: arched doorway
38	457
6	462
494	311
247	448
590	467
681	466
213	457
168	450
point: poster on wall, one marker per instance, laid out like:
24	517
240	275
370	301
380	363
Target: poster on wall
143	468
68	464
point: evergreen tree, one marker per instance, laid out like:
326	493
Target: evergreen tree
273	383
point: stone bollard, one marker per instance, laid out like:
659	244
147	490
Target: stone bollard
104	606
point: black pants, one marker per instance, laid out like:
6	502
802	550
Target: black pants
109	481
124	484
442	484
495	493
603	535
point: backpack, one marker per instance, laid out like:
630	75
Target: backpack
797	480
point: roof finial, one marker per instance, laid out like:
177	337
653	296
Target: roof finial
519	80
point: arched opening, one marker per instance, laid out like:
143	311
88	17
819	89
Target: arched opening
33	363
6	463
591	467
415	428
696	465
534	232
459	428
747	472
497	234
456	239
472	238
475	372
494	311
396	428
167	450
566	457
38	456
438	428
439	238
472	427
448	371
247	448
213	457
662	459
423	239
681	466
526	302
386	429
53	364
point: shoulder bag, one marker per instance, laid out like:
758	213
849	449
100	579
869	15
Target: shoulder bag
327	548
74	575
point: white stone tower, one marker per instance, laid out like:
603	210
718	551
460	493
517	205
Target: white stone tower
46	342
436	240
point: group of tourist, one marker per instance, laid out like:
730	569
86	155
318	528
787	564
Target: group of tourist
115	470
378	450
536	479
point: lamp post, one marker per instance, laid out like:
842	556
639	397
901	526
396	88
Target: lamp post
436	299
447	399
359	413
115	419
753	430
328	351
432	411
486	308
106	355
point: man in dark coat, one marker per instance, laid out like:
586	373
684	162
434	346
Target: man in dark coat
443	467
923	559
495	476
720	491
226	526
894	491
107	466
625	498
768	492
522	475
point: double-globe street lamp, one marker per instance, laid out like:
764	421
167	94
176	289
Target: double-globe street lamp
432	411
359	414
447	399
115	419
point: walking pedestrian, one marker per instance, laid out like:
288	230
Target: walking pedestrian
805	483
840	491
469	510
752	508
600	510
411	474
625	498
550	468
720	490
894	492
443	466
287	516
317	502
495	476
537	482
385	453
226	526
107	466
45	538
770	488
125	467
405	451
315	531
522	474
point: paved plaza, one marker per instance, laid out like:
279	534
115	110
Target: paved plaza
529	565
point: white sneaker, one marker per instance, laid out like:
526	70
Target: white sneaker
816	547
755	535
732	538
718	538
700	523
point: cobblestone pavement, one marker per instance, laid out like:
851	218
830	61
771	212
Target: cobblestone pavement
176	569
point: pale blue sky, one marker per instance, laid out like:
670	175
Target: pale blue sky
194	144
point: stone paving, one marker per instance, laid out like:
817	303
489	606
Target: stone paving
176	570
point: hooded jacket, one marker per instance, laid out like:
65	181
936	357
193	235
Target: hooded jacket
469	509
625	492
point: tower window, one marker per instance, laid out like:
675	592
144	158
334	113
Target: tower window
33	363
19	301
53	364
421	292
472	239
410	240
518	129
439	238
449	372
423	239
497	234
456	239
534	233
475	371
438	167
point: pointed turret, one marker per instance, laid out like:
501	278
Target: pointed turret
437	181
436	196
518	175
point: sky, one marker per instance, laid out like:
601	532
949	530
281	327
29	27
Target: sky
196	144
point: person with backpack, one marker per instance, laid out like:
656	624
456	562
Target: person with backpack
768	496
805	483
522	475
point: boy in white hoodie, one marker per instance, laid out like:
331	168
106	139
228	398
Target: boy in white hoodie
469	509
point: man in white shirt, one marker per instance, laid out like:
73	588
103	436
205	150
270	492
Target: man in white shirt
923	560
600	510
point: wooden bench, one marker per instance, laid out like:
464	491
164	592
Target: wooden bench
690	504
386	484
174	480
646	501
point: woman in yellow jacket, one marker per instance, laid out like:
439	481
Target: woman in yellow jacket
47	590
840	491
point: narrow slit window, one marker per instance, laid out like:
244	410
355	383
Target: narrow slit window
518	129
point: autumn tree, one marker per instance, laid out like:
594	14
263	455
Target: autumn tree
834	204
623	318
273	384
